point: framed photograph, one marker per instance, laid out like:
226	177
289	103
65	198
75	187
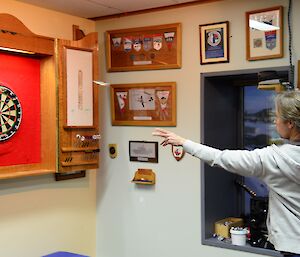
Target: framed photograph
143	104
144	48
79	91
264	32
214	42
143	151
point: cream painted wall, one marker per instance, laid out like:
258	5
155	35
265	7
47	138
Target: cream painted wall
39	216
164	220
46	22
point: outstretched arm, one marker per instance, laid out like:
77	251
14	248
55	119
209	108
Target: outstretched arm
169	137
246	163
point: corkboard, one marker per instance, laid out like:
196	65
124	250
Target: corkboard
144	104
145	48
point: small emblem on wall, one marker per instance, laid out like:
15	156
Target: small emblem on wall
112	148
178	152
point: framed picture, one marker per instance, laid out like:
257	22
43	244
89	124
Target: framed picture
264	32
143	151
144	48
214	42
143	104
79	91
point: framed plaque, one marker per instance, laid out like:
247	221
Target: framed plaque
264	31
143	151
214	42
144	104
144	48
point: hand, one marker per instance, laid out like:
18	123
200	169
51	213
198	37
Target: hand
170	138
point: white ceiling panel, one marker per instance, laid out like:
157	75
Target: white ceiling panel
136	5
100	8
81	8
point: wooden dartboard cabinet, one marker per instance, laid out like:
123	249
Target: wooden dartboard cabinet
35	137
78	104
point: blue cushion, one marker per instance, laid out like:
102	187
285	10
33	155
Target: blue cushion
64	254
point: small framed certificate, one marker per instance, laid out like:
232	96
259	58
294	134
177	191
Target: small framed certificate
214	42
143	151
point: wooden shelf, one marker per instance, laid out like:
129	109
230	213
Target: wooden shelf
19	174
76	149
68	164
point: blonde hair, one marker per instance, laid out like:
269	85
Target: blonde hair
288	106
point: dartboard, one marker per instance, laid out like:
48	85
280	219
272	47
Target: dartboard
10	113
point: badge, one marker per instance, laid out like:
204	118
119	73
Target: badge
169	37
142	57
178	152
270	37
257	42
147	43
157	42
127	44
214	38
116	41
132	57
137	44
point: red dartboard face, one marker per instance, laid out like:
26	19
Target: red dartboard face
10	113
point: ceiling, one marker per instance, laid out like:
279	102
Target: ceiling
102	8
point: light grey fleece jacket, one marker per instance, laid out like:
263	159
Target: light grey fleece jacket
279	168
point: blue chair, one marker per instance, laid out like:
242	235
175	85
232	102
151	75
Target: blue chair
64	254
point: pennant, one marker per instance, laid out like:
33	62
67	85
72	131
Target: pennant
116	41
169	37
147	43
127	44
163	102
122	96
270	37
137	44
157	42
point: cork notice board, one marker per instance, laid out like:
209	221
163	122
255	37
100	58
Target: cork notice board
144	48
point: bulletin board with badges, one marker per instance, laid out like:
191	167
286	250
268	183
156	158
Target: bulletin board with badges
144	48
